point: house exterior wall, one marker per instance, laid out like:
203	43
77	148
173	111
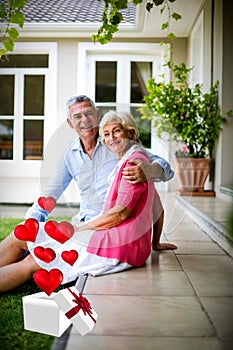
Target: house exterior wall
227	88
223	71
217	65
179	54
28	188
205	51
20	180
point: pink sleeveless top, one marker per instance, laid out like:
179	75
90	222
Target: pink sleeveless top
131	240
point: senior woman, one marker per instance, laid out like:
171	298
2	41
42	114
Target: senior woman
120	237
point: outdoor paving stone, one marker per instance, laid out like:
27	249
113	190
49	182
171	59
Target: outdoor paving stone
149	283
212	283
220	311
150	316
206	262
174	219
208	248
162	261
138	343
187	232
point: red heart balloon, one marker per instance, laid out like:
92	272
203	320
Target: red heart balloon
50	225
47	204
70	256
45	254
61	231
27	231
48	281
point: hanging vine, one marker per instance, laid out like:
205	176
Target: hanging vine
12	17
11	13
112	17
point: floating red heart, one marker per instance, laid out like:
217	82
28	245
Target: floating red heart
70	256
48	281
61	231
27	231
45	254
50	226
47	204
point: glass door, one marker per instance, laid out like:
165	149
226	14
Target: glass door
118	82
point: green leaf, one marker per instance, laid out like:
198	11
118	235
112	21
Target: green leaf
8	44
17	17
121	4
13	33
2	53
158	2
162	10
171	36
136	2
2	11
117	18
229	113
176	16
94	37
165	25
14	4
149	6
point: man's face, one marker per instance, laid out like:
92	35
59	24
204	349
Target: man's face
84	119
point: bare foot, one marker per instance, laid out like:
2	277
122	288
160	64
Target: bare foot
164	246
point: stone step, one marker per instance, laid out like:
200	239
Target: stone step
207	221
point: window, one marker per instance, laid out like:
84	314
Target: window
7	83
106	97
140	72
27	109
105	89
25	61
24	78
117	77
196	55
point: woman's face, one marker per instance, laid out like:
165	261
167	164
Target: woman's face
116	138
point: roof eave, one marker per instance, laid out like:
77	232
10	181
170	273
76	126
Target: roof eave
67	30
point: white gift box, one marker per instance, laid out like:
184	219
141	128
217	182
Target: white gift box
41	314
70	301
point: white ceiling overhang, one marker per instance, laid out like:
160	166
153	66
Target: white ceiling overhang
147	24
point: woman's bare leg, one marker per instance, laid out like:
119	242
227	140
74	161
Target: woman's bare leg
158	219
13	275
11	250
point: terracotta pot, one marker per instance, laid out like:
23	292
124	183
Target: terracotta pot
192	173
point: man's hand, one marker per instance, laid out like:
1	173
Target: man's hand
141	172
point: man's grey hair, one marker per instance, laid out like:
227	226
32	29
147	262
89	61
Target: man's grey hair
74	99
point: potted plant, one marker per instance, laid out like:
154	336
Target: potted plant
189	116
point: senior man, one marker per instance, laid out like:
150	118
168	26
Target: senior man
89	162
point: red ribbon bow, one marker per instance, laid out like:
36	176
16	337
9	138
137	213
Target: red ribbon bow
83	304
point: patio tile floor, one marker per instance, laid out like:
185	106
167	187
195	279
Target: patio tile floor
179	300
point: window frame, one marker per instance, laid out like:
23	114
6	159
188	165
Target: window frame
197	39
123	54
28	168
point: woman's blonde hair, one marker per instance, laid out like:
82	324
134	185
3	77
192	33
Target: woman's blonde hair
123	118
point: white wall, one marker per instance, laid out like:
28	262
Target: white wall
223	71
27	188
